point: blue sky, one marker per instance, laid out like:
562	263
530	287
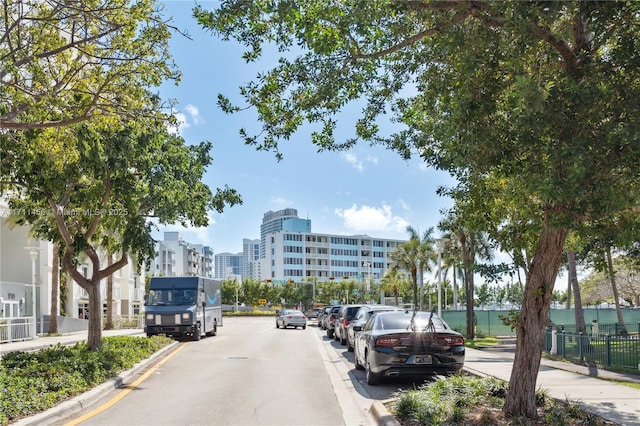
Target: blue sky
367	190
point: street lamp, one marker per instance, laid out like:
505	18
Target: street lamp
440	242
33	253
367	265
421	285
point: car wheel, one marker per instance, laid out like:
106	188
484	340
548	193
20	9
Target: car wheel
357	363
343	341
277	325
349	345
372	378
304	327
329	333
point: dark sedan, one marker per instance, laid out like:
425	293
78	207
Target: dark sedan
395	344
361	318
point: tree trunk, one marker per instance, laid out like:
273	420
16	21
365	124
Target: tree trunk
109	321
616	298
55	286
467	261
94	336
455	290
570	271
581	327
521	400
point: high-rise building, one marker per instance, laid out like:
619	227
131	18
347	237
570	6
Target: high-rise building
228	266
282	220
250	259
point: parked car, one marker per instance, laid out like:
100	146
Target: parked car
313	313
323	316
360	319
346	314
330	320
394	344
291	318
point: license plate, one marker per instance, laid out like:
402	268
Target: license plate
422	359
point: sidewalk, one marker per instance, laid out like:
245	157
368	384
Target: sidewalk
562	380
566	381
64	339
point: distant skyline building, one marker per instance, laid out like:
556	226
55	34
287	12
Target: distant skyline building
250	259
281	220
228	266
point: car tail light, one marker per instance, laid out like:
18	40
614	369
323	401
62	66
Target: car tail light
345	322
450	340
394	340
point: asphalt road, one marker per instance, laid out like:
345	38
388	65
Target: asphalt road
249	374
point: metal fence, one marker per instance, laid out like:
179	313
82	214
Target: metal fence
15	329
126	321
619	350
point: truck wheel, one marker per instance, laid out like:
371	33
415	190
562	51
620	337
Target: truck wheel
214	331
196	332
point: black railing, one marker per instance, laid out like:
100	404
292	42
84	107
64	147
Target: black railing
617	350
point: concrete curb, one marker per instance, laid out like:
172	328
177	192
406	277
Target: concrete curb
385	418
89	398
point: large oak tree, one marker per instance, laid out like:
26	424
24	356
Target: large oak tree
94	190
64	62
542	98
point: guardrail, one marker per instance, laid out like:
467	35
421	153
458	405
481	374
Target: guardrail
610	351
15	329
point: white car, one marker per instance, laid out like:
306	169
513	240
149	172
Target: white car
291	318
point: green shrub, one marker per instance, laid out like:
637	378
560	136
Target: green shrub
449	400
31	382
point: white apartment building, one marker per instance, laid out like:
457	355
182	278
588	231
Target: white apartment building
301	255
26	271
177	258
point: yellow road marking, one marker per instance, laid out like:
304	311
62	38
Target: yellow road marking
126	390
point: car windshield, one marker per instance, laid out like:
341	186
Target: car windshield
171	297
402	321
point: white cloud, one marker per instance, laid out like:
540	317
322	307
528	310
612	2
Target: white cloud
352	159
194	113
356	162
365	219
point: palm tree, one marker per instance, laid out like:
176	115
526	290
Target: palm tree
414	256
390	283
471	245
